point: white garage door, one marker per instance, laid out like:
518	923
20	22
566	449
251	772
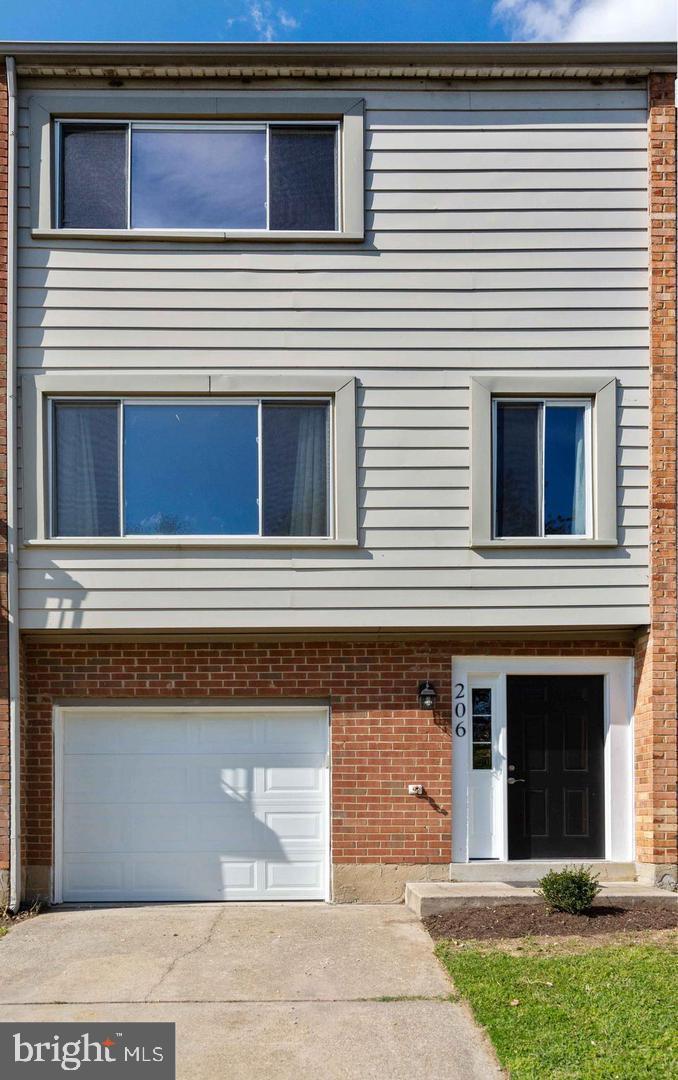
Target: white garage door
191	804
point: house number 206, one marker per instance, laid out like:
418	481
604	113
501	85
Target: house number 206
459	710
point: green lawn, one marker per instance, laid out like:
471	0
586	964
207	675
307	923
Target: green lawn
608	1012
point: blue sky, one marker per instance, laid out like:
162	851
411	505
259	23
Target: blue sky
250	20
337	20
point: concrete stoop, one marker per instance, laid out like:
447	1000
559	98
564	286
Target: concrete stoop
434	898
528	872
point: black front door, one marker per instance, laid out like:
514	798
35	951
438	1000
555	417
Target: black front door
556	807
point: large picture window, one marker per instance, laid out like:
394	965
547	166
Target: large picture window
140	467
542	467
268	176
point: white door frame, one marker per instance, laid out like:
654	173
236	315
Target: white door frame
618	744
59	713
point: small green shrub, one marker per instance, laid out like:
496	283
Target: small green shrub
572	890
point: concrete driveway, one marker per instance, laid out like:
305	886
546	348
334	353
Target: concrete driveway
272	991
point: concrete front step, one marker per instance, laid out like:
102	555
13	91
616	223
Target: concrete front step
529	872
435	897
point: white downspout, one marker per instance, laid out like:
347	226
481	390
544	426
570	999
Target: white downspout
15	890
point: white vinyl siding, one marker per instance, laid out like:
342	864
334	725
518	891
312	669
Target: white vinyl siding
506	232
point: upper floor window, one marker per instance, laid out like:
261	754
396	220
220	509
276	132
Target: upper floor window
542	480
229	467
232	176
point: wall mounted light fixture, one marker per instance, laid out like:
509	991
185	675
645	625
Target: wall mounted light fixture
427	695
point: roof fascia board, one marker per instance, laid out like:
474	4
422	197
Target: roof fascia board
326	55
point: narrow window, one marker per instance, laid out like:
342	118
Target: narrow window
542	468
295	469
93	176
85	470
517	471
565	470
200	178
303	177
481	718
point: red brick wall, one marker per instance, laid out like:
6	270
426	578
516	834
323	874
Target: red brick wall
380	739
657	661
4	702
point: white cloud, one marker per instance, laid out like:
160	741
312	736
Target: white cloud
264	20
588	20
287	21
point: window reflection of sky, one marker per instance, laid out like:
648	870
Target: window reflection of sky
198	179
191	469
564	435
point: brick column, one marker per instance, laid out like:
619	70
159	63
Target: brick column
4	681
657	653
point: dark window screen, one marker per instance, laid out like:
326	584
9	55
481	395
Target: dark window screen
93	176
302	180
517	471
295	469
86	470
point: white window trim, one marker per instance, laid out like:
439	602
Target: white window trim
37	391
101	106
468	671
603	394
557	403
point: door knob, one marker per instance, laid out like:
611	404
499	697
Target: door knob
514	780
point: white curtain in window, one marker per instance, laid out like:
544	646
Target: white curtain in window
86	449
579	490
87	509
309	494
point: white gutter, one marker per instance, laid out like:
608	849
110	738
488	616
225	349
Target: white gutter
12	564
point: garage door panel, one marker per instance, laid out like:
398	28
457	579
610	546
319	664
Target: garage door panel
293	827
93	829
289	778
298	733
296	874
194	877
165	828
210	738
85	876
171	829
240	813
88	780
218	779
95	733
197	876
147	778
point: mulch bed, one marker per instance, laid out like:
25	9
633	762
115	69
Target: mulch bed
532	920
